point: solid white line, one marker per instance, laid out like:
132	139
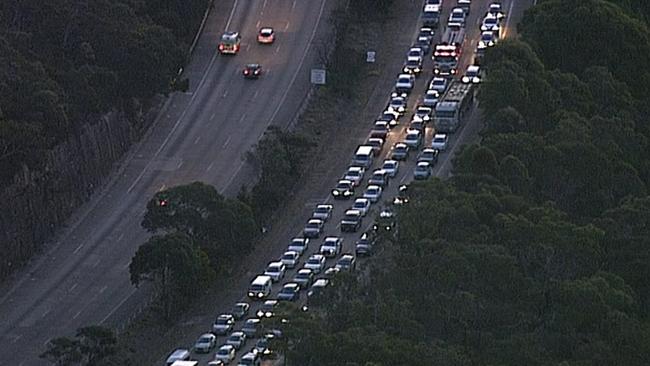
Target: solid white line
73	287
287	26
97	263
103	289
76	315
227	142
225	93
293	79
293	5
182	116
196	141
257	25
78	248
241	118
117	307
16	339
277	50
120	237
508	20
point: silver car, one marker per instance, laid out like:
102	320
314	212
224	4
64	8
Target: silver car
299	245
316	263
205	343
322	212
237	340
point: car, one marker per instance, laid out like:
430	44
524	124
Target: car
405	83
431	98
402	195
331	246
496	11
373	193
423	113
250	359
225	354
424	43
262	345
239	310
364	246
223	324
267	310
438	84
290	259
216	362
440	141
304	277
252	71
380	130
252	327
347	262
415	52
230	43
491	23
289	292
422	171
380	178
313	228
413	66
385	221
391	117
318	286
362	205
376	143
391	167
417	125
299	244
429	155
457	18
413	139
355	175
275	270
316	263
400	151
322	212
465	5
344	189
487	39
472	75
205	343
236	339
180	354
266	35
331	272
397	104
351	222
426	32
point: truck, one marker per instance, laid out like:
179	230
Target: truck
453	107
230	43
447	53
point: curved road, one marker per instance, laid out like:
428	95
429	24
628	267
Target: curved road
200	135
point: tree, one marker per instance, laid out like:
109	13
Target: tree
92	346
176	267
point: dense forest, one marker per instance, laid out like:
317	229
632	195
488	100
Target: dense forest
537	251
65	62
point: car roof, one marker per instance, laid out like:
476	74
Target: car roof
423	163
474	68
325	205
353	212
321	282
372	186
440	135
305	270
314	221
345	181
266	29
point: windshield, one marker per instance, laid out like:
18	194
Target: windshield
445	58
445	114
257	288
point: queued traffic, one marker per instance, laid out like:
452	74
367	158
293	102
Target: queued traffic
311	260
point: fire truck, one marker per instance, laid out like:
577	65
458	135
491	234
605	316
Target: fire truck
230	43
447	53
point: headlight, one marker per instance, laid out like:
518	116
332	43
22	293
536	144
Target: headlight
335	193
491	43
417	69
465	79
260	295
251	294
347	193
476	80
268	314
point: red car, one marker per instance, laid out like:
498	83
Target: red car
266	35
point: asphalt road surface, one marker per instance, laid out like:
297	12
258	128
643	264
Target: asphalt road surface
467	133
82	279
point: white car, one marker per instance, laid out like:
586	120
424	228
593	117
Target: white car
322	212
405	83
415	52
275	270
373	193
316	263
423	113
355	175
250	359
440	141
422	171
225	354
457	18
391	167
431	98
332	246
236	339
205	343
299	245
488	39
413	139
491	23
495	10
290	259
223	324
397	104
313	228
362	205
472	75
465	5
438	84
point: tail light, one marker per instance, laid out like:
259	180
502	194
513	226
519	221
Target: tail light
221	47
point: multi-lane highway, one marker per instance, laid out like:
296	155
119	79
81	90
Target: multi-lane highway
203	134
469	132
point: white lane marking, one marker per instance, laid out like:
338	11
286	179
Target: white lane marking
182	116
241	118
44	343
45	313
508	19
293	79
255	94
120	237
287	26
180	164
212	116
121	302
257	25
225	93
126	266
277	50
97	263
248	47
103	289
209	167
264	5
227	142
16	339
293	5
79	248
73	287
76	315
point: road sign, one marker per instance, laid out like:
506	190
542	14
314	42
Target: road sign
370	56
318	76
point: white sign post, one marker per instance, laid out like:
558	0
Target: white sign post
370	56
318	76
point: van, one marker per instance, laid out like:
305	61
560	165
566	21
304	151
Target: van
363	156
260	287
178	355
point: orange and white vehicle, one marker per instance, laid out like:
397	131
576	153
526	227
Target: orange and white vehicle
266	35
230	43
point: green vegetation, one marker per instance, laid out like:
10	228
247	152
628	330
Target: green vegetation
92	346
65	62
535	252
